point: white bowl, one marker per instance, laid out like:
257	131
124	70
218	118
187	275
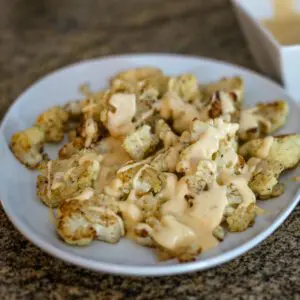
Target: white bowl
32	218
274	59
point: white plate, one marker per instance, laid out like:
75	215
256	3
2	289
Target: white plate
17	184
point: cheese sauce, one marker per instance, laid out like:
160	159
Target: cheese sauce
114	156
206	214
205	147
182	225
119	122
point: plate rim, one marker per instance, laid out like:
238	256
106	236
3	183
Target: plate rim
140	270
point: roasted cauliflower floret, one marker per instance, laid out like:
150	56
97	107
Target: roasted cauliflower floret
140	143
227	158
53	123
27	146
204	176
91	126
71	148
148	84
234	85
166	160
80	222
95	106
165	134
181	113
151	90
219	233
138	74
223	105
262	119
63	179
278	154
284	149
74	109
149	205
234	198
185	86
140	178
264	181
198	128
147	179
208	137
90	132
276	112
127	172
241	218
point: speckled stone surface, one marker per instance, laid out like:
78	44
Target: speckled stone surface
39	36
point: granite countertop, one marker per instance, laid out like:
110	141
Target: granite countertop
39	36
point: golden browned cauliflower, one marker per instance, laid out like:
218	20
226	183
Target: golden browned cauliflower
204	176
148	85
140	143
227	158
264	181
181	113
71	148
241	218
95	105
145	88
207	137
234	85
278	154
166	160
140	178
198	128
74	109
262	119
149	205
147	179
127	172
223	105
90	132
165	133
138	74
53	123
80	222
284	149
27	146
63	179
219	233
185	86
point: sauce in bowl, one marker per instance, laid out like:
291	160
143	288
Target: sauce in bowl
285	25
